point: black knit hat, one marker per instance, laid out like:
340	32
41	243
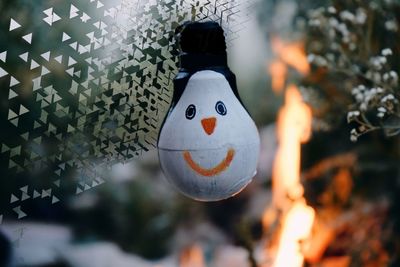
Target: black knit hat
202	45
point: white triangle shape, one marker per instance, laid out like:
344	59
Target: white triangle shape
59	59
81	49
73	12
3	56
48	11
36	194
74	45
97	45
73	9
48	20
65	37
34	64
20	213
28	37
24	56
103	25
54	200
2	72
13	81
24	189
87	48
85	17
22	110
99	4
14	25
71	61
56	17
44	71
12	94
46	55
90	35
36	83
70	71
13	198
46	193
87	187
25	196
11	114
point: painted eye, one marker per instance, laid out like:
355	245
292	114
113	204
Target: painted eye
220	108
190	112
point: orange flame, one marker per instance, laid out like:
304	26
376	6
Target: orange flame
293	128
192	256
296	229
292	54
278	71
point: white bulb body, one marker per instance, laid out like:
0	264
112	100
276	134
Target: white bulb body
209	165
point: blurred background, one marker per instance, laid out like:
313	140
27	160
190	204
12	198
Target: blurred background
85	86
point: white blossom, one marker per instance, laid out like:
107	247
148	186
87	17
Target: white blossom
347	15
331	10
321	61
387	98
377	77
387	52
314	22
353	135
390	76
344	32
343	29
361	16
351	115
382	109
364	106
358	90
391	25
386	77
353	138
330	56
317	60
383	60
378	62
310	58
333	22
394	76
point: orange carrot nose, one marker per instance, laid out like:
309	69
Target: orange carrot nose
209	124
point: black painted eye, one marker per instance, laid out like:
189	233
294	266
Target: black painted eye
190	112
220	108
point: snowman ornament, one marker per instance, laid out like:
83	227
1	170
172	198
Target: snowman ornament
208	145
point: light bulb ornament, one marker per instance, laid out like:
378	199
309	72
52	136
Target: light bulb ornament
208	145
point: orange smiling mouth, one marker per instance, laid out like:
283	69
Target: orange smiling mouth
222	166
